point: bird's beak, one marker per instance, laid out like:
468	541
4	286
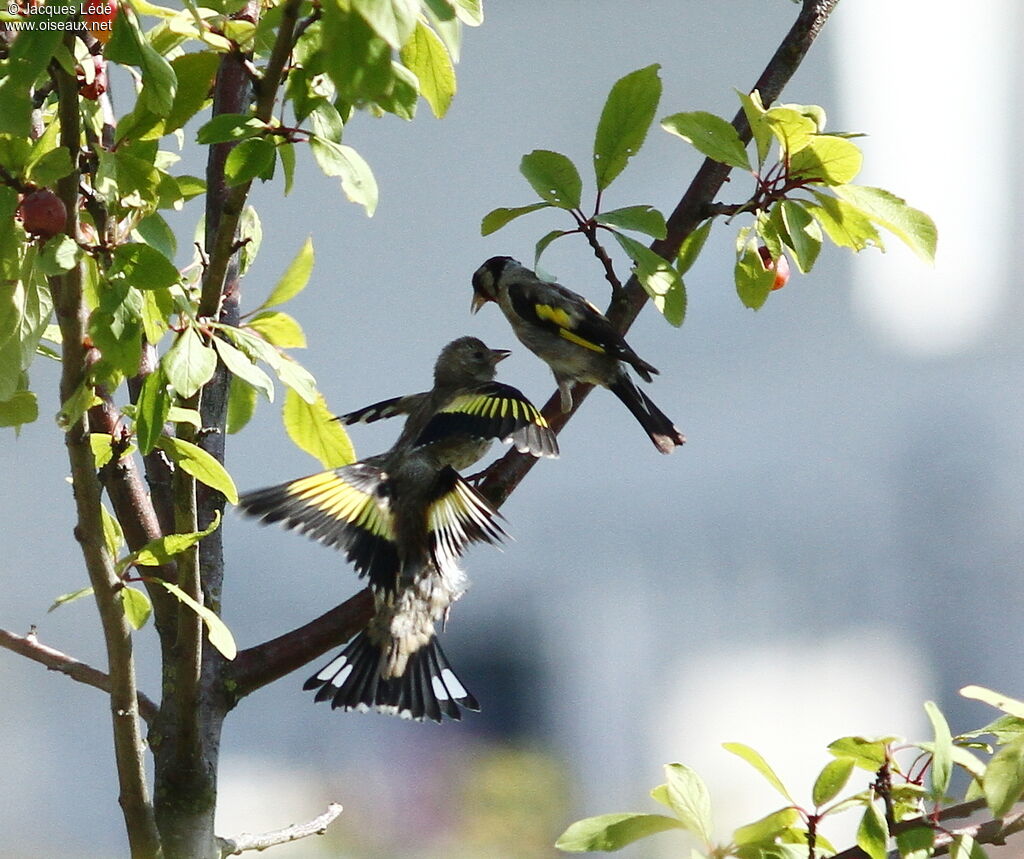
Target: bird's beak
478	302
500	354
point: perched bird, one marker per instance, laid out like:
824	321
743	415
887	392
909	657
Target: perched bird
574	339
403	518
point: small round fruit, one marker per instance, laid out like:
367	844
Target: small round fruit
780	266
42	213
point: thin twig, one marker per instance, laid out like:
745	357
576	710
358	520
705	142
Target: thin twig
30	647
247	841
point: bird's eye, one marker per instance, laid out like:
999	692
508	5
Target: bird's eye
478	355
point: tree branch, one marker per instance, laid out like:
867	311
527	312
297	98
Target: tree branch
508	472
70	310
246	841
257	666
29	647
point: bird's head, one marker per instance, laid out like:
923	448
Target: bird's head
487	278
467	361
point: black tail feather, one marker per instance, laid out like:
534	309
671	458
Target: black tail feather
657	424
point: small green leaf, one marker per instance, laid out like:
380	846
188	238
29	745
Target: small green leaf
298	378
554	177
916	843
201	465
195	73
846	225
102	448
425	55
76	405
216	630
113	536
832	779
241	405
608	832
964	846
942	751
143	267
313	429
867	754
179	415
295	278
58	255
250	159
226	127
286	152
239	365
660	794
1008	705
659	279
710	135
278	328
336	159
544	242
151	410
163	549
753	281
754	758
689	800
136	605
498	218
54	165
873	833
767	828
754	110
625	121
791	128
802	232
189	364
691	247
912	226
155	231
20	409
641	219
63	599
827	159
1003	783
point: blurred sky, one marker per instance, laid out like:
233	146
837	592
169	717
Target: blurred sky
839	540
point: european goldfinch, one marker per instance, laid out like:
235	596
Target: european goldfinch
403	518
574	339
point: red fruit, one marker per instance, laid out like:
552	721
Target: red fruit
781	267
98	85
42	213
98	17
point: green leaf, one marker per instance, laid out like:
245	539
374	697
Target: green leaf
625	121
226	127
942	751
767	828
54	165
754	758
1003	783
498	218
290	372
151	410
846	225
658	278
912	226
249	159
155	231
802	232
143	267
710	135
72	409
64	599
179	415
239	365
791	128
336	159
691	247
827	159
136	605
102	448
873	833
392	20
916	843
20	409
554	177
832	779
295	278
241	405
608	832
641	219
189	364
867	754
753	281
216	630
195	73
1008	705
357	60
313	429
425	55
129	46
689	800
58	255
250	234
201	465
761	131
113	536
544	242
279	329
963	846
162	550
286	152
